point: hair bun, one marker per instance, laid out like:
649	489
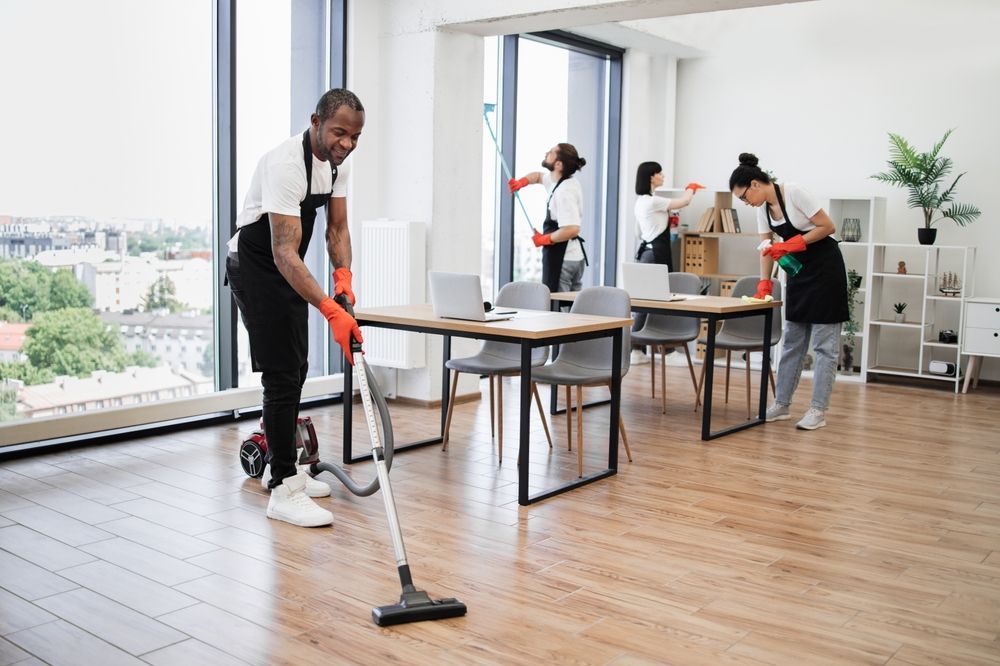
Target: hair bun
582	163
748	159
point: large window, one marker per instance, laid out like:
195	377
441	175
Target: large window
109	246
564	91
105	205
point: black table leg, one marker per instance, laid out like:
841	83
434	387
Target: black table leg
347	397
765	363
524	433
706	415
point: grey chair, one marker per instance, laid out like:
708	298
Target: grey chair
499	359
666	332
588	362
744	335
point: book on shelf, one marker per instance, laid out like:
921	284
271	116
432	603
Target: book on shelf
736	221
727	221
705	222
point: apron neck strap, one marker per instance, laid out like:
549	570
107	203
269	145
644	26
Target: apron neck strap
307	154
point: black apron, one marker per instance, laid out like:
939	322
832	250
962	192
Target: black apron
818	293
656	251
552	255
275	316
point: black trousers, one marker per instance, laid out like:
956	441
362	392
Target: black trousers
282	392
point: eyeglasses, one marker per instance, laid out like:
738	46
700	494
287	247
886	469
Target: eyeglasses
743	197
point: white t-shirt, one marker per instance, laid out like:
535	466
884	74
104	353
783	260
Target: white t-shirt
800	204
651	216
279	184
566	207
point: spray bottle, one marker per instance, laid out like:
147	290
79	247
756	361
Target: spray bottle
788	262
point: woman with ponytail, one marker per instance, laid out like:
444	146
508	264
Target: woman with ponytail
816	296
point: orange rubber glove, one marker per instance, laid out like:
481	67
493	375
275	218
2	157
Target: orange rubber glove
540	239
777	250
342	325
514	184
342	284
764	288
694	187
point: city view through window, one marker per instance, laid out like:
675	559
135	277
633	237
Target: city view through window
105	205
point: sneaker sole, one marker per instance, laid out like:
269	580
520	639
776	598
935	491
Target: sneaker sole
274	515
322	492
812	427
783	417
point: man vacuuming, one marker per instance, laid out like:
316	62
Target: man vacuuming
563	256
273	288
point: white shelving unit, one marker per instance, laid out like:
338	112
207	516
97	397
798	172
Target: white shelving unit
870	212
907	348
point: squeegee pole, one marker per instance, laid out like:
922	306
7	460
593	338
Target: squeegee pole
503	163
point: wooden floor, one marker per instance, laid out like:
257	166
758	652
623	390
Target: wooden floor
875	540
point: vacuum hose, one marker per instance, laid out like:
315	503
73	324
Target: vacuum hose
367	384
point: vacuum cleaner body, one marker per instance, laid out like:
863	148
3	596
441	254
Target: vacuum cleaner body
253	451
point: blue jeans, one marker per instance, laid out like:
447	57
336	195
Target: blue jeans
825	339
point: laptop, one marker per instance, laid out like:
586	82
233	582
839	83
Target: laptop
460	296
650	282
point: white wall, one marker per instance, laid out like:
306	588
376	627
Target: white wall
814	88
648	92
420	156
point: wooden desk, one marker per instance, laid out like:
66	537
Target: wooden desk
530	329
714	309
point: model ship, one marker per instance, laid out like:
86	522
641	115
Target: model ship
949	284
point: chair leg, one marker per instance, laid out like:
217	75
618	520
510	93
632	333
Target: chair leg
451	408
663	376
746	355
499	419
652	371
541	413
729	356
694	382
579	429
770	375
621	429
569	418
493	432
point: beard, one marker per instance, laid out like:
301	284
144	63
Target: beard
548	166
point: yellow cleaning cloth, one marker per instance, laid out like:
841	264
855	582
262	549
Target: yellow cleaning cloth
750	299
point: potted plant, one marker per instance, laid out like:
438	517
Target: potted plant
851	326
922	174
900	309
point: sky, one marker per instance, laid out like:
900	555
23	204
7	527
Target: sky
113	118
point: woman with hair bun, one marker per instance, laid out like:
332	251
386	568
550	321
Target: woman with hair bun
563	256
816	296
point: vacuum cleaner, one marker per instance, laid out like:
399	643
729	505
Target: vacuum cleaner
414	605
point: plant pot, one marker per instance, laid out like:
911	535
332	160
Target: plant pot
900	317
926	236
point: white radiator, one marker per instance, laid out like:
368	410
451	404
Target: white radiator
389	268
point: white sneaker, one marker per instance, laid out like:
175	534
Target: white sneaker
314	488
289	503
777	412
637	357
813	419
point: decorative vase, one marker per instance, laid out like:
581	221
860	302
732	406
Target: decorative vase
926	236
856	281
851	230
847	362
900	317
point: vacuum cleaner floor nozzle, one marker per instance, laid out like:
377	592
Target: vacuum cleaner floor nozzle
416	606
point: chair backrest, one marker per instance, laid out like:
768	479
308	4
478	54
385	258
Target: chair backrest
674	327
749	327
528	296
596	354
